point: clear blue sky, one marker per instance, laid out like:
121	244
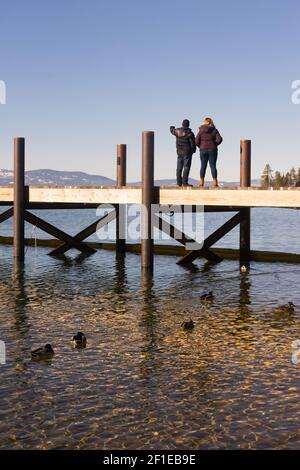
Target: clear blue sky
83	76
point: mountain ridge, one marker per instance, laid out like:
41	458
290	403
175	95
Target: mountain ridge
48	177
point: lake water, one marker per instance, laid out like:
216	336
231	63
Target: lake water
142	382
271	229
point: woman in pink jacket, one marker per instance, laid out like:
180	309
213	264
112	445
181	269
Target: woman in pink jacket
208	139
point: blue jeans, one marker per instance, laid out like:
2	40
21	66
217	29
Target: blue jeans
183	163
211	157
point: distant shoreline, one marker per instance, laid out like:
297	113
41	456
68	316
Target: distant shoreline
46	177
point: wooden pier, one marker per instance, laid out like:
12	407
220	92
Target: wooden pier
213	199
20	199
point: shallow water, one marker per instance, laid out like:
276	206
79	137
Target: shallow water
142	382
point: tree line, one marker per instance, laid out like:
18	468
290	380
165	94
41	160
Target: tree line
276	179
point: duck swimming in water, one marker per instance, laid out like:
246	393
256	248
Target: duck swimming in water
188	325
288	308
43	353
79	340
207	296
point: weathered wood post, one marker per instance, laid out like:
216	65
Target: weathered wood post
245	182
147	200
245	169
19	198
120	209
121	164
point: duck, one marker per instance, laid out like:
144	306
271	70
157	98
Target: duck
79	340
188	325
43	353
288	308
208	296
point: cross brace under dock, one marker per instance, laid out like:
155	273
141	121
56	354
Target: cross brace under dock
21	199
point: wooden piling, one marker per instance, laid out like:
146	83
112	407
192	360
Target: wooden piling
19	198
245	182
121	164
120	209
147	200
245	164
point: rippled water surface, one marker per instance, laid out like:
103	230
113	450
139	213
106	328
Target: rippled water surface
142	382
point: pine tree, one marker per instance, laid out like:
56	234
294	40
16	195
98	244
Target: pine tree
266	177
290	178
293	176
277	182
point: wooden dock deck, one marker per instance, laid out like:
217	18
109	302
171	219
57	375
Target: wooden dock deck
165	195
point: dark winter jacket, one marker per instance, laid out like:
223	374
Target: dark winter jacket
185	141
208	138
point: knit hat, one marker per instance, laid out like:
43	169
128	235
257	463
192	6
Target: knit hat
185	123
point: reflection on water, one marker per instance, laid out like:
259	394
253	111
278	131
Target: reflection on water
142	382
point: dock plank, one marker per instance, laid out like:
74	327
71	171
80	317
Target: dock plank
237	197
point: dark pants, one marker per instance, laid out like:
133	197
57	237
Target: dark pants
183	163
211	157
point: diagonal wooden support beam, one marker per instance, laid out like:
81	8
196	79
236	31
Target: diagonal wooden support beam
181	237
57	233
209	255
169	229
6	215
212	239
87	232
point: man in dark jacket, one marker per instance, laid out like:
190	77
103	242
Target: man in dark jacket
186	146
